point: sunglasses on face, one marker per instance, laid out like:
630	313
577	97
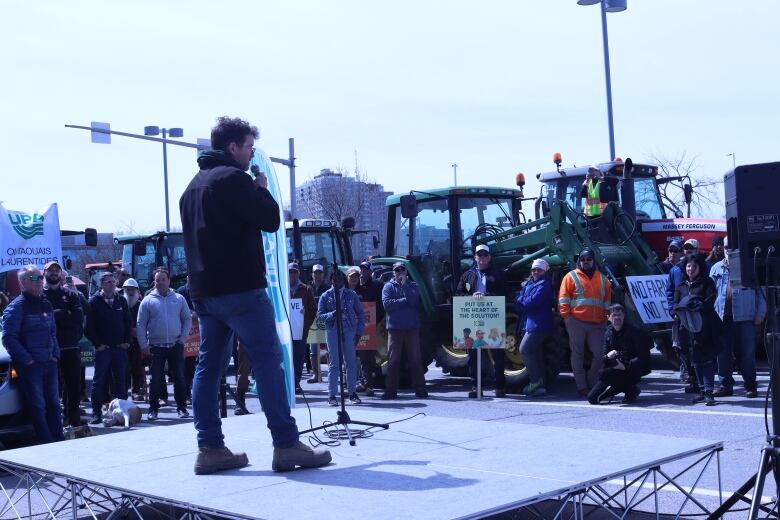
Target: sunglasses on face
482	253
688	248
674	250
399	269
35	277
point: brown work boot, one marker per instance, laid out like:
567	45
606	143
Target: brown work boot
286	459
211	460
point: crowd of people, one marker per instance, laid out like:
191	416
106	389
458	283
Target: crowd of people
223	211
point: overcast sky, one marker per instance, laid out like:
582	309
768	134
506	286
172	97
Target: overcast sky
411	86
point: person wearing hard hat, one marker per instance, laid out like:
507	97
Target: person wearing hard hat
132	293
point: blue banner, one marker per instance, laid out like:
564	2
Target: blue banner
275	246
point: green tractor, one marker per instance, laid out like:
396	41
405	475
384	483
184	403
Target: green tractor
435	234
142	254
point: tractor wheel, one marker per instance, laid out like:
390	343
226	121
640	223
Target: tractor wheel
451	360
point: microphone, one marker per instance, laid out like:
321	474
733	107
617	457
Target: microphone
255	169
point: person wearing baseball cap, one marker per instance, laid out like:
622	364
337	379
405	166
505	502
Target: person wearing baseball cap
69	320
318	287
717	252
401	300
691	246
674	251
483	279
369	290
299	290
132	293
535	323
583	300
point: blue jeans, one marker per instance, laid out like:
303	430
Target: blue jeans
111	362
175	357
740	339
250	316
40	391
350	360
531	348
705	372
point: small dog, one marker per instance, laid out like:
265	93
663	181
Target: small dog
121	412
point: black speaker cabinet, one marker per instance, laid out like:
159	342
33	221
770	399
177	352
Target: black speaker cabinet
753	223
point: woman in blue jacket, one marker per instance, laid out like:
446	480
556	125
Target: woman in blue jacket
353	323
534	304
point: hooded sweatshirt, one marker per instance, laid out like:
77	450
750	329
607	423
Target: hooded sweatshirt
163	320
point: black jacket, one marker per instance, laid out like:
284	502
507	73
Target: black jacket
495	282
222	215
706	344
68	315
108	325
633	348
372	292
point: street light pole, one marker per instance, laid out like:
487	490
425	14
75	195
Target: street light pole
733	159
165	179
608	80
173	132
607	6
455	173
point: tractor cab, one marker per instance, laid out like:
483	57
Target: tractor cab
142	254
565	184
322	242
436	233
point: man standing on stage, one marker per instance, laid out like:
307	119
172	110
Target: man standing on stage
223	212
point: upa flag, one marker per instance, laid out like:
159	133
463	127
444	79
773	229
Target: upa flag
29	238
275	245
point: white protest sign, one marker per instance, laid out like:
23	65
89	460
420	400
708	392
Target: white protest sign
649	295
29	238
296	318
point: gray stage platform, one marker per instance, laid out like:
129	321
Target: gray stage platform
427	467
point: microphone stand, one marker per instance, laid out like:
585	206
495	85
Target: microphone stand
342	417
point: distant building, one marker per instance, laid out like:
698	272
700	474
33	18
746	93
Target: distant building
335	196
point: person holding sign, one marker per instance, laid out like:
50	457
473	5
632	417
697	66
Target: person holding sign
307	307
369	290
401	300
534	304
479	281
352	323
627	359
583	299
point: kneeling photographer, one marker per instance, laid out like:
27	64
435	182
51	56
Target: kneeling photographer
627	359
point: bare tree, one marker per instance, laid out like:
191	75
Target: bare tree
336	195
706	190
